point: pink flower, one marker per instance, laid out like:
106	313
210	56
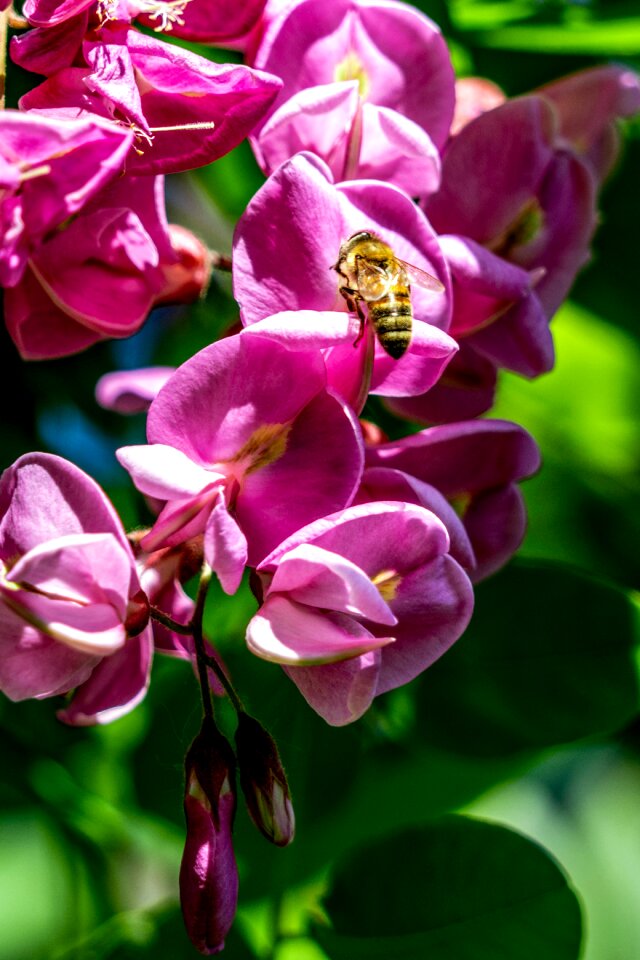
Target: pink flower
516	200
359	603
245	445
357	140
287	290
187	111
208	873
49	170
587	105
119	248
476	466
395	53
72	612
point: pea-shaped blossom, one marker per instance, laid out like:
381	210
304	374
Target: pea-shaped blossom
118	248
287	290
185	110
72	612
396	53
226	22
245	446
476	465
49	170
520	207
359	603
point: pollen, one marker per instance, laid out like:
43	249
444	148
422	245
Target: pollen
265	445
387	583
352	68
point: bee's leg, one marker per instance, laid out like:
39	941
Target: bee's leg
358	309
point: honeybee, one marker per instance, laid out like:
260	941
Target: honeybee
371	273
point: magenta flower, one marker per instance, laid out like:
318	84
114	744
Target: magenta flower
245	445
117	247
49	170
508	187
357	140
358	603
474	95
72	612
208	872
287	290
395	53
186	110
476	466
587	105
225	22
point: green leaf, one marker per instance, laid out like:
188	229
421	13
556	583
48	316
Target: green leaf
548	659
613	38
456	889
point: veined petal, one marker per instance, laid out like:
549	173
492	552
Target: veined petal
319	578
161	471
307	329
225	547
289	633
339	692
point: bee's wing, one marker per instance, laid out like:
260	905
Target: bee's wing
421	278
373	280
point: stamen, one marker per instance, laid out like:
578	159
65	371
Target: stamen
166	12
387	583
42	171
196	125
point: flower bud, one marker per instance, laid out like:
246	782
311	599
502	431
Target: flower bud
264	782
208	873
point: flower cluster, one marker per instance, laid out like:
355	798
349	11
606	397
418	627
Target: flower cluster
414	235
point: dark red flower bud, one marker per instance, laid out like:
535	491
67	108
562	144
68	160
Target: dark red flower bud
208	873
264	782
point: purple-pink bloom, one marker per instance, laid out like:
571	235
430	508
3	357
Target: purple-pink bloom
49	171
509	188
359	603
587	105
186	110
287	290
208	872
117	248
395	53
358	140
476	466
245	446
72	611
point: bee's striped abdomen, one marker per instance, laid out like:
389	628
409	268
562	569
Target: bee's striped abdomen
392	319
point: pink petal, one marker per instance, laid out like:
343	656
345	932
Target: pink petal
115	687
225	547
318	578
290	633
131	391
161	471
339	692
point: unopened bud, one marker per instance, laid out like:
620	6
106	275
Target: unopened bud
208	872
264	782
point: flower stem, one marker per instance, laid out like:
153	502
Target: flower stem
198	639
220	674
182	628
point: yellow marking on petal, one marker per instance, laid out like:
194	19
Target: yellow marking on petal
525	228
387	583
352	68
460	502
265	445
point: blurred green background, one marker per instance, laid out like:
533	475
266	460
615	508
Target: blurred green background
530	722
